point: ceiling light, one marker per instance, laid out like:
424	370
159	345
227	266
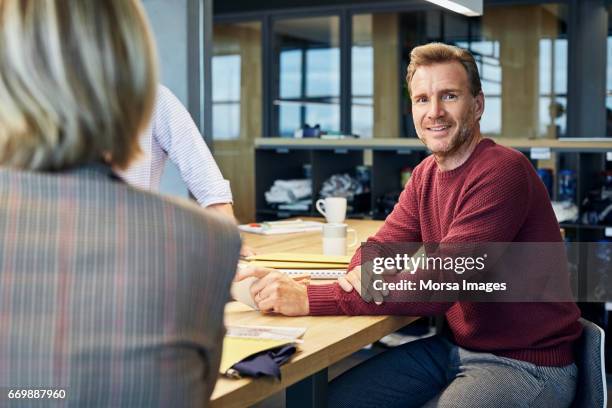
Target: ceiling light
470	8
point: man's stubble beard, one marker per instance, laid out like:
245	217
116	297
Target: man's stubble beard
463	137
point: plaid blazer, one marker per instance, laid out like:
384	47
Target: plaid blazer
112	294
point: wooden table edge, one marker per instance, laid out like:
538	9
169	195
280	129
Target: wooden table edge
258	389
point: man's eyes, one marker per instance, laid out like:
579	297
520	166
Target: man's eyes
445	97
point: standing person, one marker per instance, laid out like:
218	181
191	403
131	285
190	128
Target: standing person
110	296
173	134
469	190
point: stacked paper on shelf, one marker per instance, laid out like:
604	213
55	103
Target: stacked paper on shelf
288	191
282	227
300	205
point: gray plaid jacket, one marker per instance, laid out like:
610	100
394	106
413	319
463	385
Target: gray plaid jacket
112	294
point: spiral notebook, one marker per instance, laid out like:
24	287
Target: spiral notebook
316	265
316	273
301	258
298	265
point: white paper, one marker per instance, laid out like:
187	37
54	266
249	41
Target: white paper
540	153
266	332
241	291
289	228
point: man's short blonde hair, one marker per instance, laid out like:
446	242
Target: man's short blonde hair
438	53
77	82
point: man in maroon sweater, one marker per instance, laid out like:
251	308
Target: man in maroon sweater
469	190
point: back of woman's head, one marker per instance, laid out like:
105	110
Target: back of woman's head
77	82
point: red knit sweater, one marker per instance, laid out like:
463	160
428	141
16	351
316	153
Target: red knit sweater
495	196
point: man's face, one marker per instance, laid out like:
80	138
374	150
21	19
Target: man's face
444	111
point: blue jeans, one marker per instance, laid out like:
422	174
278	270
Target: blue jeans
434	372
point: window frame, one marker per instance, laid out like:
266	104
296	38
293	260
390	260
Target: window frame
582	120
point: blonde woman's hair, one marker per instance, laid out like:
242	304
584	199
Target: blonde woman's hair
438	53
77	82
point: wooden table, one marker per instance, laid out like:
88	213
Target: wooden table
327	340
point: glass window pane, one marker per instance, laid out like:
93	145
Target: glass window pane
545	65
327	116
561	65
308	74
609	77
490	123
362	77
226	121
561	117
226	71
291	67
323	72
362	114
289	114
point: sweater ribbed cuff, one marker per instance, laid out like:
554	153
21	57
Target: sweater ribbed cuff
323	300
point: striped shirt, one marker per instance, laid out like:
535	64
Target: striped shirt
113	294
173	134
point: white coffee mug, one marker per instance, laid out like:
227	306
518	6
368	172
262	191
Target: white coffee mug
332	208
334	238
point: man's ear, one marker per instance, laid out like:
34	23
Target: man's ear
479	105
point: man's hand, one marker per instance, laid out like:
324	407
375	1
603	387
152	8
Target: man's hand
276	292
353	280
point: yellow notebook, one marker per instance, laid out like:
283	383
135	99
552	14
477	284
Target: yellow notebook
297	265
236	349
241	342
339	261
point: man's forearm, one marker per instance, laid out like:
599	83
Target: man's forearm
224	208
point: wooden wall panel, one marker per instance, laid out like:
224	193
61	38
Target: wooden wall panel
236	158
385	38
519	31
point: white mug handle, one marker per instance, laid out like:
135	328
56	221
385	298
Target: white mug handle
355	237
320	204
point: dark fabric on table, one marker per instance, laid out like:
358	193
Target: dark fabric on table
266	363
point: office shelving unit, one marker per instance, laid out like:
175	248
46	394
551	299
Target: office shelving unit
283	158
